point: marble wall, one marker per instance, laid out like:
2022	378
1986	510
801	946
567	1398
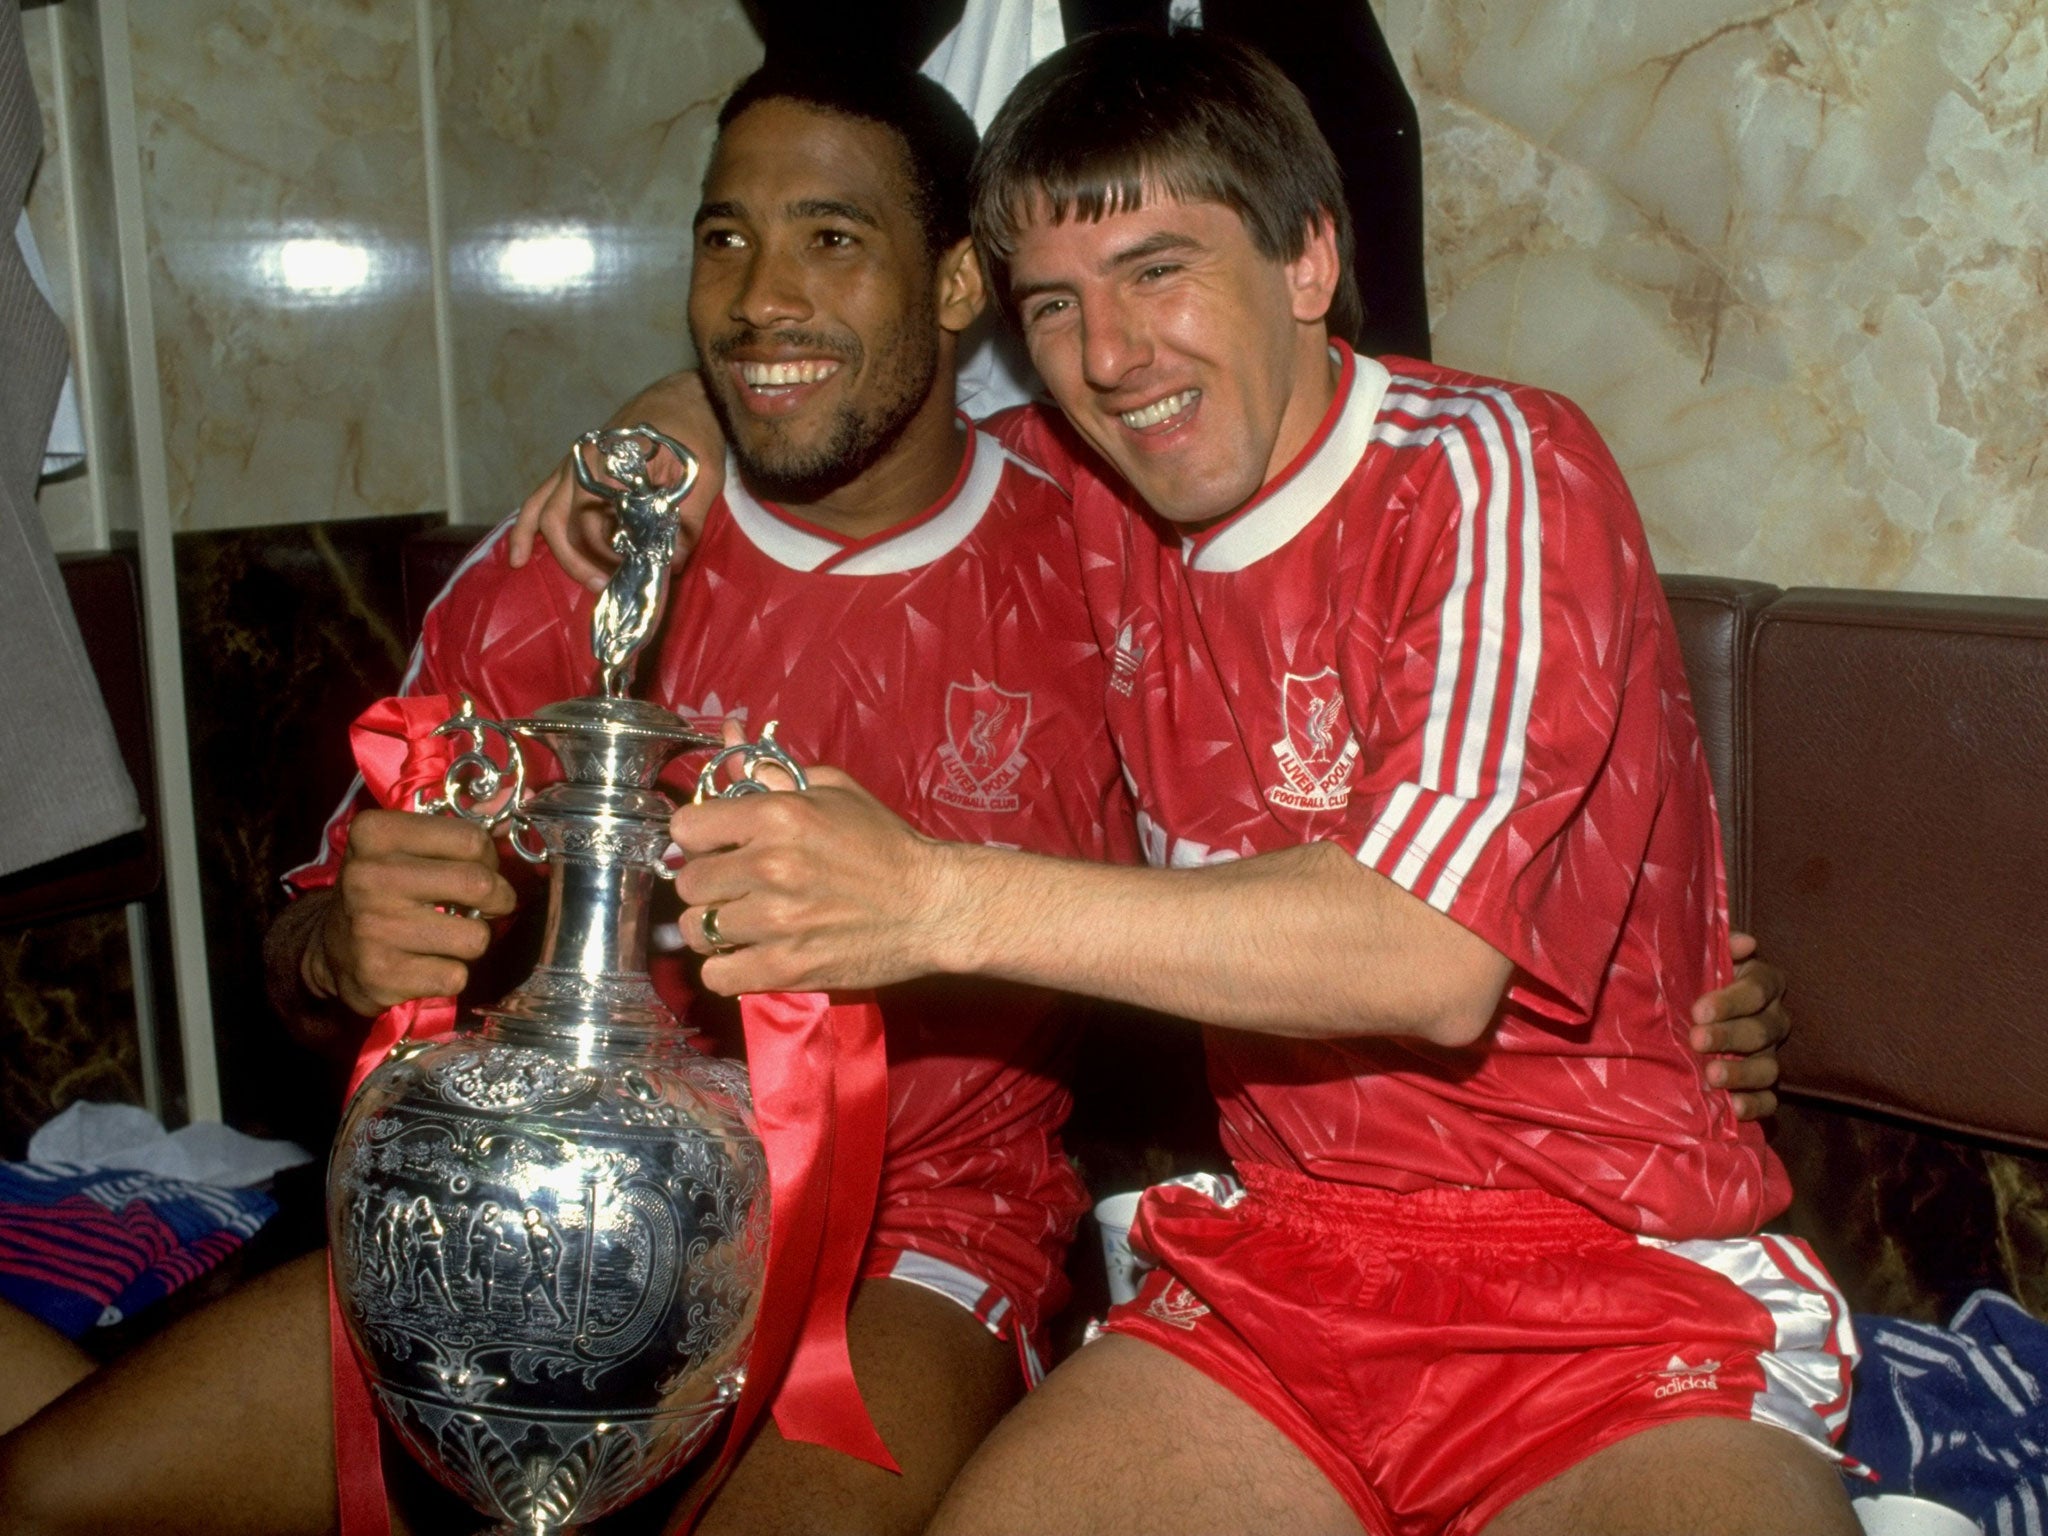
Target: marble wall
398	254
573	140
1910	1223
284	173
67	1022
292	631
1789	256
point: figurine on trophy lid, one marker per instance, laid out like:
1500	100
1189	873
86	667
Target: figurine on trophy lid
548	1232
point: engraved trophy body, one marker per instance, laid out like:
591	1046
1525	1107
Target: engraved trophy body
549	1233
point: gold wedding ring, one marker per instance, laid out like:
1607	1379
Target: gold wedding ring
718	943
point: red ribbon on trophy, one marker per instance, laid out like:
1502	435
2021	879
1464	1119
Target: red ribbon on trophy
400	757
820	1087
806	1049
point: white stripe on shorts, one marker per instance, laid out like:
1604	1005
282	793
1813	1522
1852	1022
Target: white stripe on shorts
1806	1374
991	1308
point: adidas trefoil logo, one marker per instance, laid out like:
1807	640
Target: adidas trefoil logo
1126	659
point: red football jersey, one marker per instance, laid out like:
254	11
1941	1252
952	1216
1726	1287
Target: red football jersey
949	666
1438	640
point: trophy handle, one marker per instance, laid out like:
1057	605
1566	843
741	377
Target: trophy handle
477	787
750	755
520	827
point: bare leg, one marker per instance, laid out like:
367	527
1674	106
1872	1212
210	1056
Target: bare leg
37	1365
935	1381
1698	1477
220	1424
1125	1440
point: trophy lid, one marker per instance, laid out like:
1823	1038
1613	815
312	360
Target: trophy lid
612	741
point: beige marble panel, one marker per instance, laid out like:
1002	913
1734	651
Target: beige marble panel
574	135
66	504
1789	256
72	212
284	176
98	327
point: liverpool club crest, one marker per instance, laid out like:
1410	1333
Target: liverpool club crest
1318	751
1178	1307
984	750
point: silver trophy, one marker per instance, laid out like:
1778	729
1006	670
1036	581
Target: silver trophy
549	1232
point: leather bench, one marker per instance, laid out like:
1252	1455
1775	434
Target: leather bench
1895	822
1881	760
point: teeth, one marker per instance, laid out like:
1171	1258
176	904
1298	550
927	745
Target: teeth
774	375
1160	410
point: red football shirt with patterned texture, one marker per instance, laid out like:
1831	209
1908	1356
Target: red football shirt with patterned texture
949	666
1438	641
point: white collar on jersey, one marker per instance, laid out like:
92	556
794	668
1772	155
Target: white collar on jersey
1289	505
930	534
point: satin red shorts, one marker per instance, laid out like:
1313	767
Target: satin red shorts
1440	1354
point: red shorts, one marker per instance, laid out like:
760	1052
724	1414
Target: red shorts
977	1210
1440	1354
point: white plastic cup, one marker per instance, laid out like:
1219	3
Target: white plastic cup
1900	1514
1114	1214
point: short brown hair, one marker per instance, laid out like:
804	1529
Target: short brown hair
1197	117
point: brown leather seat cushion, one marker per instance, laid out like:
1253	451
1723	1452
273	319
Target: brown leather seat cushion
1716	616
1898	844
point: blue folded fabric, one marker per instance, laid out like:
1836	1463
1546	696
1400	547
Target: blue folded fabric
85	1246
1957	1414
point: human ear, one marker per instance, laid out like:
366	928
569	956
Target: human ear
1312	277
963	291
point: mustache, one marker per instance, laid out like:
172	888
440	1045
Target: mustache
721	347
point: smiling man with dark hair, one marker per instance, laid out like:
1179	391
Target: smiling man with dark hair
1402	707
763	366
